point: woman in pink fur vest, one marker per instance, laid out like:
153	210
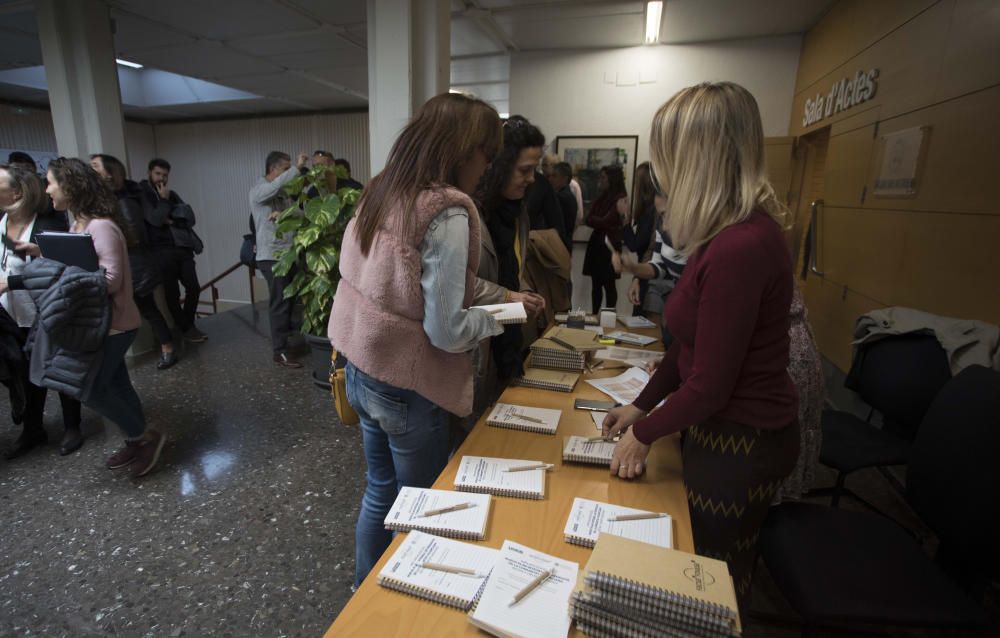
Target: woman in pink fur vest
401	314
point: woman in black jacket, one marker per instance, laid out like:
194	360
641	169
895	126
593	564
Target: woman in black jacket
145	273
22	197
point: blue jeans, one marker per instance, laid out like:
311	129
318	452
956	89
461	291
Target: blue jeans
113	396
406	443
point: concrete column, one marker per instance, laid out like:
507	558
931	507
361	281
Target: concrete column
84	96
409	58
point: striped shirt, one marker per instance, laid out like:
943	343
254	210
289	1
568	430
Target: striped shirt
667	263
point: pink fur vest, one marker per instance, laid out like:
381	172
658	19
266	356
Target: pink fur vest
378	311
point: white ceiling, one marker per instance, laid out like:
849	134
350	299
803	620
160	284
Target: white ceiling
309	55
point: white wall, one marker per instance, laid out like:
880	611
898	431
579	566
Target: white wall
567	93
616	92
215	163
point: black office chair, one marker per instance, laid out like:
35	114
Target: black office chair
899	376
841	567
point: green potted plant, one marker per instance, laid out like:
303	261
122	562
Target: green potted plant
316	219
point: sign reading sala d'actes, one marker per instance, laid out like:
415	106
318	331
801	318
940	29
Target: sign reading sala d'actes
842	96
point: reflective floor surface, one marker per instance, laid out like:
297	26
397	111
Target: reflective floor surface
246	529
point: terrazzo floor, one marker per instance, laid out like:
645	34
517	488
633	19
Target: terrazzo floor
246	529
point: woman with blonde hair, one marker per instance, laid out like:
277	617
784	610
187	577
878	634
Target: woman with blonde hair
401	314
726	372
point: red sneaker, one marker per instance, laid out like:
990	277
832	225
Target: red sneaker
148	454
124	456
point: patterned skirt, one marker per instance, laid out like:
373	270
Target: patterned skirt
732	473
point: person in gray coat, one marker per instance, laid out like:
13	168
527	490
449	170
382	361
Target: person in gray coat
268	199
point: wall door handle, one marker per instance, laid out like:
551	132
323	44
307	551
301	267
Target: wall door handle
814	226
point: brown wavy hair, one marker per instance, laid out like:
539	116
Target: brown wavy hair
87	194
441	137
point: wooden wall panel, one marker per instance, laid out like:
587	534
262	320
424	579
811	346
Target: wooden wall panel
963	155
849	27
778	155
939	67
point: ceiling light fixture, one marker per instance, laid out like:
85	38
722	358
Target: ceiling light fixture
654	11
131	65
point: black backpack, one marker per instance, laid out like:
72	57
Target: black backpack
248	251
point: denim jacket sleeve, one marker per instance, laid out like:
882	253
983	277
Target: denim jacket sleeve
444	255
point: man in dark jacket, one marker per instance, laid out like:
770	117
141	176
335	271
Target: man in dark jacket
170	227
562	173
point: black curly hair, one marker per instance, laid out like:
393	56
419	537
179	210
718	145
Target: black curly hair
518	133
87	193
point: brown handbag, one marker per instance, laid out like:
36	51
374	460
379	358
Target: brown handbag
338	390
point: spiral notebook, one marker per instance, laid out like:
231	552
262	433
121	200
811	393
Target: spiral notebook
685	591
492	476
631	338
544	612
588	519
522	417
636	322
506	313
420	567
548	379
579	450
413	509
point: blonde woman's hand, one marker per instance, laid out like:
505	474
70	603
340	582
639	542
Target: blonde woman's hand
633	293
620	418
616	261
629	458
628	260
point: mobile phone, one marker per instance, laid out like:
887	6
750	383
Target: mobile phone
594	405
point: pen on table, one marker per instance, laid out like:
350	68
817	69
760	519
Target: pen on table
562	343
525	417
465	571
532	586
496	311
534	466
445	510
599	439
636	517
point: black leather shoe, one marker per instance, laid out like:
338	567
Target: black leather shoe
282	360
29	440
71	441
167	359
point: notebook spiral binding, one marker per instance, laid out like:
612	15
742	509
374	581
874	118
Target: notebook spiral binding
610	623
680	619
525	427
653	600
496	491
451	533
427	594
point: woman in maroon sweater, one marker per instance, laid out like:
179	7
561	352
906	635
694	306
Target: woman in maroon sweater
726	372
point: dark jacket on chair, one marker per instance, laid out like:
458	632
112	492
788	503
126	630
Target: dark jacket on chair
74	317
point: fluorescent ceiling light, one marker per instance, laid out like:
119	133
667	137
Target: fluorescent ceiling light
131	65
654	11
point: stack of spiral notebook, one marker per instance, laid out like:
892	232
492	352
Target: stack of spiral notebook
630	588
564	349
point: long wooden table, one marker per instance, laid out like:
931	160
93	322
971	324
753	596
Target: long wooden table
377	611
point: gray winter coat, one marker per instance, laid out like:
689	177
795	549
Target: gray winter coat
66	343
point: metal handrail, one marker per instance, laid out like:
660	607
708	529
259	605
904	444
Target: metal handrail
814	256
215	291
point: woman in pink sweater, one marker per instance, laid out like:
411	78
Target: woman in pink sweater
93	207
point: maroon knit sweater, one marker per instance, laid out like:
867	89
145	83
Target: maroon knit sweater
729	318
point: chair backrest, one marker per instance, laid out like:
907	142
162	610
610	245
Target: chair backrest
953	477
899	376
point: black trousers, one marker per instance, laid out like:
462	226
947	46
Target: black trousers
279	308
34	409
151	313
605	285
177	267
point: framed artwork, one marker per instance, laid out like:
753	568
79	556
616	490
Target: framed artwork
588	154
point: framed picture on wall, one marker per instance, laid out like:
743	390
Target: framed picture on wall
902	159
588	154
